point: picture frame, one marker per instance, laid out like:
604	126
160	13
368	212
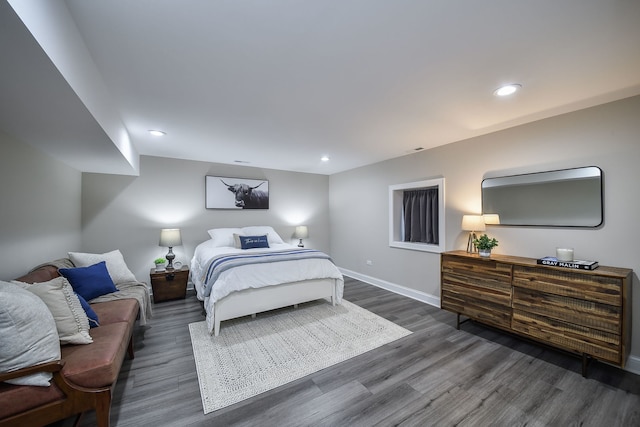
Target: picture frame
236	193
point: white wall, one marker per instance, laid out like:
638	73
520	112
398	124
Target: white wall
40	208
127	213
607	136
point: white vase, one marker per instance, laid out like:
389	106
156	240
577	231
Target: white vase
485	253
160	267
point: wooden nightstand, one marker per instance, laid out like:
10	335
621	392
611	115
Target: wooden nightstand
169	284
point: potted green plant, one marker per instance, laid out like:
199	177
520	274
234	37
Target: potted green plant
160	263
484	245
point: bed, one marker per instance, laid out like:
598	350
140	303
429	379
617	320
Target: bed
245	271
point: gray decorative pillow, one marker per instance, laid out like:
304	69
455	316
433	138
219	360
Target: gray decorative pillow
116	266
27	333
71	320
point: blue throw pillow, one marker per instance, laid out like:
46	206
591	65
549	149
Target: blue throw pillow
90	282
251	242
93	317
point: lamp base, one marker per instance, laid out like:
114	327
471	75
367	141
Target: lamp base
300	245
170	257
471	248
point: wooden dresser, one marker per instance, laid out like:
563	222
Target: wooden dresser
581	311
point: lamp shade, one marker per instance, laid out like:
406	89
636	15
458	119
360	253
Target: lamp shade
473	223
302	232
491	219
170	237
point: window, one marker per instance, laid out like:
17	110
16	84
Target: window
416	215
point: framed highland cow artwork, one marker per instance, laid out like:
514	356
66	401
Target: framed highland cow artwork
236	193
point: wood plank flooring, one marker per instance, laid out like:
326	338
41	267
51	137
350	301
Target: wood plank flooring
437	376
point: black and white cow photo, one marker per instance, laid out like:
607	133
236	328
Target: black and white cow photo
236	193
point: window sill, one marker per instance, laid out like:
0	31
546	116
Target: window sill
424	247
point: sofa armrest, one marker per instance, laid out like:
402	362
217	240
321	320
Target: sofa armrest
54	366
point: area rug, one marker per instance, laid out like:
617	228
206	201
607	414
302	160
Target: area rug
251	356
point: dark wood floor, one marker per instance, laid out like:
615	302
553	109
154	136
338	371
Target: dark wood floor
436	376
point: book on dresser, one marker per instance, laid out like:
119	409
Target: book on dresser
575	264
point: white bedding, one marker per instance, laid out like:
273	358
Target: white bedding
256	275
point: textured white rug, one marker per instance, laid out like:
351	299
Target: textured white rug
251	356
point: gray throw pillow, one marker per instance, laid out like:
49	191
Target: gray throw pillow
71	320
27	332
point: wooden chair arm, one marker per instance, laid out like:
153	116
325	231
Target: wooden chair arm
54	366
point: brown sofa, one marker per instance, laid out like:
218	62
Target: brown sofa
85	376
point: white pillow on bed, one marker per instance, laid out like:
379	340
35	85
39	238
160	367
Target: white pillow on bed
223	236
261	230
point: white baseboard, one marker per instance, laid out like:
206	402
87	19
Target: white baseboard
398	289
632	365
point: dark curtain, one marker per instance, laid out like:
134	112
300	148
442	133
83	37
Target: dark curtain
421	215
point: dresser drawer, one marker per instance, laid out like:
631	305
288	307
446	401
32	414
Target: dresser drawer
488	275
589	287
479	289
594	315
580	339
491	309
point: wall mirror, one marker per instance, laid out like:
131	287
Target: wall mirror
560	198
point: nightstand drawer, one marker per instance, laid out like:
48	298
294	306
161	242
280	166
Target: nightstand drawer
169	284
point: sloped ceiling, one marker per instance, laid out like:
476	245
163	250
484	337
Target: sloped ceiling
38	105
278	84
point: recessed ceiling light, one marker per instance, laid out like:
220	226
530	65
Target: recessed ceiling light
507	90
324	158
157	132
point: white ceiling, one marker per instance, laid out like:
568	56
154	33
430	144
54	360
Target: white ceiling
279	83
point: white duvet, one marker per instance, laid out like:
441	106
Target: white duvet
256	275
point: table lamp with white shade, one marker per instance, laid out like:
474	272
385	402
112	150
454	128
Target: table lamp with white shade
472	223
170	237
302	232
